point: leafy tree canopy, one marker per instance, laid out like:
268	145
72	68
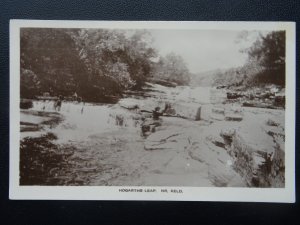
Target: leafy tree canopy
269	52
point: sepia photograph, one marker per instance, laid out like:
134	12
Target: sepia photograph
153	109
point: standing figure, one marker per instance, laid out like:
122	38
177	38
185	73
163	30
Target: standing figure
58	103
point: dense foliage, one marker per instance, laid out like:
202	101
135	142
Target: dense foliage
172	68
96	64
265	65
269	53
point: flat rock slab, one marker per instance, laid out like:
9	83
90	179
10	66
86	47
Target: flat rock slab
33	127
129	103
217	116
33	119
166	139
219	165
233	117
218	110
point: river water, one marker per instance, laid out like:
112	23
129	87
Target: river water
109	148
84	119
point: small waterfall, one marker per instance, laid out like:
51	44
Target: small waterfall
46	105
49	106
82	119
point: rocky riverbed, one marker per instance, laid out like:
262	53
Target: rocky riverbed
201	141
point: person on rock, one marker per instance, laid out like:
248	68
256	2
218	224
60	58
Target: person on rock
149	124
156	113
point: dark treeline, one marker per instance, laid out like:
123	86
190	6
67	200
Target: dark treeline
97	64
268	52
265	65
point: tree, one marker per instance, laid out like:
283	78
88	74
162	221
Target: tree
269	52
94	63
172	68
140	53
30	83
50	54
120	56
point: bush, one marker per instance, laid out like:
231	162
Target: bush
26	104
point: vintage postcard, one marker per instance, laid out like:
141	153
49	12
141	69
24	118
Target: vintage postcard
115	110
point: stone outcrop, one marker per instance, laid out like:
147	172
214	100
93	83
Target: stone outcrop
258	166
269	97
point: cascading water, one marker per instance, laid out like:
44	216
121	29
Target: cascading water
43	106
83	119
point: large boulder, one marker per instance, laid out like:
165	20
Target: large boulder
188	110
259	164
218	162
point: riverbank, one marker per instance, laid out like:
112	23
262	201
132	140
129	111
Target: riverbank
228	147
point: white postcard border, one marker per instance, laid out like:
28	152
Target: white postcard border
286	194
